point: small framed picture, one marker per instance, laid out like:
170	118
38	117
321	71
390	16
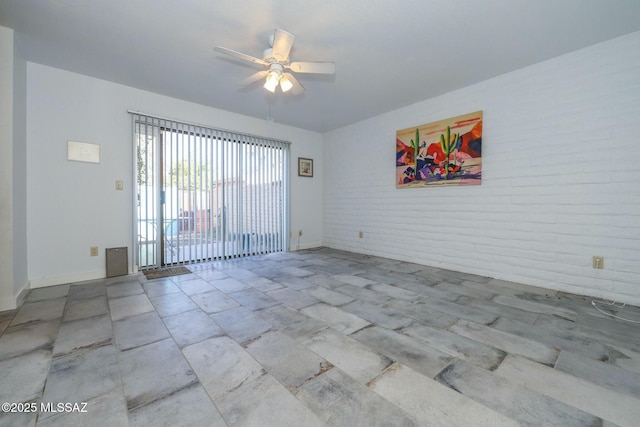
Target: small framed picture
305	167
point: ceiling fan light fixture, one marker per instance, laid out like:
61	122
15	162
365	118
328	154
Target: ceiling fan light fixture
285	84
273	78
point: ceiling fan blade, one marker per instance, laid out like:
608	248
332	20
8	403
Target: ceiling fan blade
282	42
255	77
313	67
239	55
297	87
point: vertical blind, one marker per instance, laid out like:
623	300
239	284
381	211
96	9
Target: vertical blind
205	193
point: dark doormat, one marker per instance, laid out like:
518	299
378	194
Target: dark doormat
166	272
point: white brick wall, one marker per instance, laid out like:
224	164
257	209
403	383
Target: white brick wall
561	179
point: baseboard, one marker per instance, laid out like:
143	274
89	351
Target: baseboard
8	303
22	295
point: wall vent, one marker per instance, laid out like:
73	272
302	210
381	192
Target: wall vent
117	262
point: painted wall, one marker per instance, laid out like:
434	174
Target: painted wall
7	300
19	204
561	179
74	205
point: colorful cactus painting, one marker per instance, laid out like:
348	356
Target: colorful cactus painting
443	156
415	144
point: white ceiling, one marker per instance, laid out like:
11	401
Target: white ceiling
388	53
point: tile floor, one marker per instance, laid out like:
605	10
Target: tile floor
317	337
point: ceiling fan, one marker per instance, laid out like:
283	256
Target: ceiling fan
276	60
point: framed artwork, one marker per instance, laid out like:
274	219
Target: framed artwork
446	152
305	167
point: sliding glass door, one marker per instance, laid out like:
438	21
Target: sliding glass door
206	194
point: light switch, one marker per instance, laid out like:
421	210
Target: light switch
119	185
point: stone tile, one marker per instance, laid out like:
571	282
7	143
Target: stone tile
430	403
39	311
292	298
265	402
403	349
352	357
195	286
83	375
124	289
583	394
28	337
253	299
107	410
353	280
174	303
328	296
422	313
189	407
291	367
267	272
87	290
522	404
24	419
154	371
509	343
289	321
191	327
460	311
154	288
294	282
214	301
470	291
121	308
601	373
241	324
464	316
463	348
211	274
338	319
504	287
229	285
20	384
85	307
382	316
394	291
324	281
82	334
597	332
48	293
240	273
295	271
339	400
183	278
536	307
139	330
222	365
4	324
425	290
363	294
499	309
262	284
552	337
404	267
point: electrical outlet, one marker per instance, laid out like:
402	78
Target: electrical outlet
598	262
299	232
361	234
93	251
119	185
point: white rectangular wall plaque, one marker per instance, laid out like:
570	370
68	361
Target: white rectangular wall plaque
83	152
